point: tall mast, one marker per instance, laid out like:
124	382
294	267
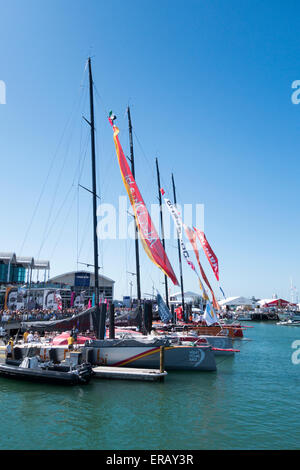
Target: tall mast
94	191
137	254
162	226
179	250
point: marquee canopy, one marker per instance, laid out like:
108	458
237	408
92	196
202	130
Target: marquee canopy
236	301
275	303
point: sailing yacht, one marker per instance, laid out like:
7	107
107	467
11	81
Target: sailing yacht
129	352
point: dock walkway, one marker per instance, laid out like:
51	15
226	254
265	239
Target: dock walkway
127	373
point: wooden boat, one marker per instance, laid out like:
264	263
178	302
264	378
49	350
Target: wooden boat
31	369
233	331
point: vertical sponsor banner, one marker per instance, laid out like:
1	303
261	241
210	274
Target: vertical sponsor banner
58	300
7	291
81	299
101	299
10	300
148	234
49	300
192	237
91	322
39	299
21	298
213	260
178	224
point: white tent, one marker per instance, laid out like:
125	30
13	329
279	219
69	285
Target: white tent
262	302
236	301
189	297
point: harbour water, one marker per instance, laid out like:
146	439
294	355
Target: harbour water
251	402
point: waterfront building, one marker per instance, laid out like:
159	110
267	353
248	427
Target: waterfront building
82	283
25	284
21	269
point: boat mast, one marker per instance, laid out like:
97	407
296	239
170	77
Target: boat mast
100	331
179	250
137	254
162	227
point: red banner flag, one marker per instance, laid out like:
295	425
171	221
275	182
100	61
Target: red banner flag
149	237
192	237
213	260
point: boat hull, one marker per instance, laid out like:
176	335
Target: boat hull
226	330
223	345
175	358
181	357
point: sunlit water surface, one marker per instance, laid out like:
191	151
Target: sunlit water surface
251	402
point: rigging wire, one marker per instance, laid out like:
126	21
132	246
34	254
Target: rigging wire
63	226
69	210
50	227
49	171
46	233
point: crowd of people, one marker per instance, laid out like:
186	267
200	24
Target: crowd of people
36	314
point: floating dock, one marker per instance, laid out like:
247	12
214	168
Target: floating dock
127	373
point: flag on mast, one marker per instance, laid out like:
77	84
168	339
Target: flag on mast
178	224
210	315
213	260
192	238
148	234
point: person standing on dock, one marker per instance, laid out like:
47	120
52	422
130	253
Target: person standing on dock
25	335
30	337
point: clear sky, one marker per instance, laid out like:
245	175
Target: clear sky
209	85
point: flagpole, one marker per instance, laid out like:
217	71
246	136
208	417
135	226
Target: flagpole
137	254
162	227
179	252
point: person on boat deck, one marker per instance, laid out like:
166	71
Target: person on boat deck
74	333
179	313
71	342
9	347
30	337
36	337
25	335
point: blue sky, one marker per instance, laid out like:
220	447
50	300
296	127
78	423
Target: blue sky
209	85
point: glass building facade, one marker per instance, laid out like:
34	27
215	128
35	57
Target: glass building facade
16	274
